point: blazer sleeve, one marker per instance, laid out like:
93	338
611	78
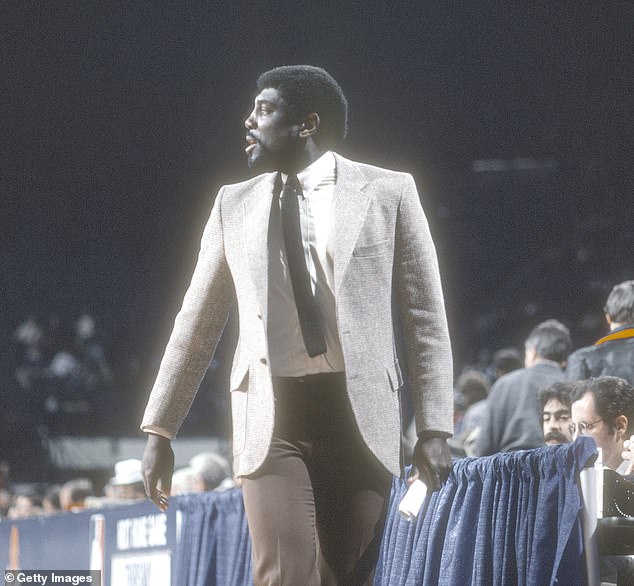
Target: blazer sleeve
423	318
195	335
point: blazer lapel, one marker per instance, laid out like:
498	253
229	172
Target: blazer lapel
351	204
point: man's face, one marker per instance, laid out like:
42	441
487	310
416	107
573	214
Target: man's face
556	420
272	133
588	422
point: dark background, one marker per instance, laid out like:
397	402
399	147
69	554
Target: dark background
120	120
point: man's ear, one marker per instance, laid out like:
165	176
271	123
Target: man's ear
309	126
620	424
530	356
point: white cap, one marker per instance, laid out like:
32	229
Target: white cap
127	472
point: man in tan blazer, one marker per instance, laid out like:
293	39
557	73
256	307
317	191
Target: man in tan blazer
315	251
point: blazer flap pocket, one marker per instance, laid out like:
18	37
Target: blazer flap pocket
374	249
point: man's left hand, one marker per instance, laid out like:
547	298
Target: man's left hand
432	460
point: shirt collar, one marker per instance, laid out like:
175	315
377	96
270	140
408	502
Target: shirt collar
622	469
323	169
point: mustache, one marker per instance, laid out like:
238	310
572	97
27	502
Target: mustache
556	436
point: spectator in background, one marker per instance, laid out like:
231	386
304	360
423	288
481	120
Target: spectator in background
127	482
71	357
214	470
603	408
474	387
186	481
613	354
29	333
63	371
66	400
506	360
512	419
97	374
32	358
555	401
5	501
206	471
73	494
25	506
50	501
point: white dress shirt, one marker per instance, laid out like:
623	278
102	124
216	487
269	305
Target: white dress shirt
287	351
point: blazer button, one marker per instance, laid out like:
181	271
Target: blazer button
263	360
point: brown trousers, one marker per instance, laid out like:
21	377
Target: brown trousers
316	507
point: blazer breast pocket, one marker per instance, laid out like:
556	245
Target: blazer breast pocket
381	248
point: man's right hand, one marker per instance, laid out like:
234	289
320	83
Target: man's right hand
158	467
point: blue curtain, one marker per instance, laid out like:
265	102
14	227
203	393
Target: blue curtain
505	520
215	548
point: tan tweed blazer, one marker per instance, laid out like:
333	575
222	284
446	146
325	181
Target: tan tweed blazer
382	245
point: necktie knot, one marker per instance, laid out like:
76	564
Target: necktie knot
292	186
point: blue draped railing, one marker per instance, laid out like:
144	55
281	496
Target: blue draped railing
504	520
215	548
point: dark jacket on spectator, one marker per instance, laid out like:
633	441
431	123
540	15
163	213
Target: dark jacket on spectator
612	355
513	419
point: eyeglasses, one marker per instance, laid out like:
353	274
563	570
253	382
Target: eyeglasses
582	426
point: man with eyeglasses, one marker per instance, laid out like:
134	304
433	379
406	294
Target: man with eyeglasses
603	408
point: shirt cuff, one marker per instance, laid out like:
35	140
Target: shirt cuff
157	431
431	433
